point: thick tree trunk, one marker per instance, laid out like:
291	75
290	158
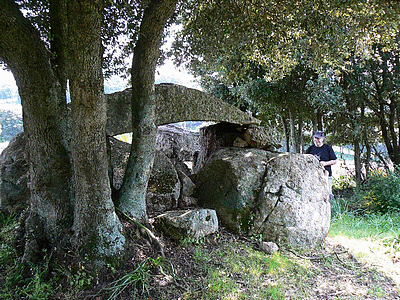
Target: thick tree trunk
132	195
97	229
44	116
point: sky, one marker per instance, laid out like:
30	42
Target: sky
6	78
165	73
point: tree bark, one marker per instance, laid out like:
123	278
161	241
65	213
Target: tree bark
357	158
45	125
292	125
97	230
300	144
132	195
286	131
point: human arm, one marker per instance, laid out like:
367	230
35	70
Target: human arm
328	163
331	159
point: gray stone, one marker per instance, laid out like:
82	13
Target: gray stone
187	202
195	223
119	154
14	170
293	205
181	146
222	135
238	142
187	190
164	187
269	247
284	197
174	103
267	138
229	182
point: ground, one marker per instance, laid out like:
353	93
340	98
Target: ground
229	266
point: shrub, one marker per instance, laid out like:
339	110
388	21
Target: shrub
344	182
381	192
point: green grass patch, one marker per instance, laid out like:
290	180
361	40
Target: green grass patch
373	226
241	272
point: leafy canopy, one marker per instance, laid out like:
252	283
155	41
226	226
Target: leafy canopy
276	33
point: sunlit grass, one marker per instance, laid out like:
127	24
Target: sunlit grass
241	272
374	240
367	226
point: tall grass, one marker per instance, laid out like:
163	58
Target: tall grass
373	226
372	210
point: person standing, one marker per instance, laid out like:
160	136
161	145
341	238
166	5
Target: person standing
325	154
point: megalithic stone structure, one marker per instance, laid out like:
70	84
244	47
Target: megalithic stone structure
175	103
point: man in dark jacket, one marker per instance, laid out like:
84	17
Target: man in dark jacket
324	153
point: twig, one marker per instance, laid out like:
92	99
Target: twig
317	257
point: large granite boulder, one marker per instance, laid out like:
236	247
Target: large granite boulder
181	146
169	187
284	197
263	137
14	170
164	186
225	134
174	103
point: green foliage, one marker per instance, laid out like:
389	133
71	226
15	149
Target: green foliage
28	281
38	287
22	280
79	277
136	281
274	33
188	240
381	192
343	182
119	19
7	225
374	226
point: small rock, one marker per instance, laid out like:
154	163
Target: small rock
186	202
269	247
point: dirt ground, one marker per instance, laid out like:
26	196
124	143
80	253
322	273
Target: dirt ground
333	272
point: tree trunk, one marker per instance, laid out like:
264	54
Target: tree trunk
286	131
320	119
97	229
292	124
300	144
357	158
392	129
132	195
44	115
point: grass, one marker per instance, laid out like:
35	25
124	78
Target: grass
355	263
239	272
374	226
372	238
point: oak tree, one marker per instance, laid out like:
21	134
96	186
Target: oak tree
47	44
